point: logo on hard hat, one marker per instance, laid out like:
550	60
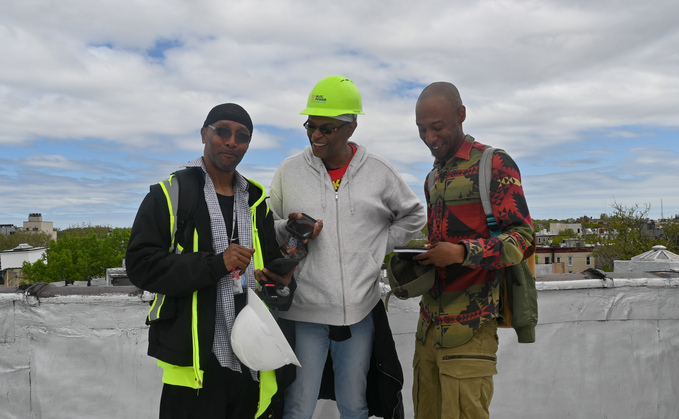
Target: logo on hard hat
319	98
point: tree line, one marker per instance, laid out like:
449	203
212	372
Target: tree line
628	233
79	254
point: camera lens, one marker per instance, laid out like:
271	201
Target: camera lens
283	291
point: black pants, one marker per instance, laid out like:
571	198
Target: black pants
225	394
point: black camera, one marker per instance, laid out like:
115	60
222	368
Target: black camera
299	231
302	228
274	294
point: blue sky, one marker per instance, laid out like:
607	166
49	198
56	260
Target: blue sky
98	100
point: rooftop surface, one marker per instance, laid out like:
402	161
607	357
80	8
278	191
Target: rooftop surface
607	347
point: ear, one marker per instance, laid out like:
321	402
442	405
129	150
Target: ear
352	127
202	135
461	114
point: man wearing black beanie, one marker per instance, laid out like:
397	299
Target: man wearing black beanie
220	235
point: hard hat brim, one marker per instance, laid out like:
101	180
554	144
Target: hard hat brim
257	340
312	111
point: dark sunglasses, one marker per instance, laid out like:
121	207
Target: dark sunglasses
226	133
324	130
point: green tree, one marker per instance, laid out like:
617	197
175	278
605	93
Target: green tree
670	237
82	230
565	234
33	238
627	235
80	258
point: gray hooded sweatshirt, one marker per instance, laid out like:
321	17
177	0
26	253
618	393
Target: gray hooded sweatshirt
372	211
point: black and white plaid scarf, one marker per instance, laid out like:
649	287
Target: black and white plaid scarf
220	241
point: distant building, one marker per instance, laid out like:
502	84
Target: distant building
573	242
565	259
117	276
36	224
658	259
11	277
12	260
556	228
543	238
8	229
15	258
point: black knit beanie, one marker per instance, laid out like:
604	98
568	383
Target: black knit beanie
229	112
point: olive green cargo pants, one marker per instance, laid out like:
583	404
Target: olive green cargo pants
455	383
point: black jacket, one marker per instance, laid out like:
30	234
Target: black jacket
150	266
385	376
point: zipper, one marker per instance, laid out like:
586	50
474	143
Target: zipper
379	368
339	252
399	394
487	358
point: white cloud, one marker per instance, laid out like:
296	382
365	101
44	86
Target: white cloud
541	79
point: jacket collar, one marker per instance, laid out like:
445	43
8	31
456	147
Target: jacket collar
463	152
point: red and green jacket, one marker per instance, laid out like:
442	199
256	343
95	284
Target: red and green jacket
466	295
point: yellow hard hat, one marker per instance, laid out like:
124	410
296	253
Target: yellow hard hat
334	96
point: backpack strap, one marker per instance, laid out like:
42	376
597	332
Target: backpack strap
431	178
485	174
189	183
170	188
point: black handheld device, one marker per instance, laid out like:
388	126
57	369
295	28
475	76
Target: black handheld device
274	292
302	228
282	266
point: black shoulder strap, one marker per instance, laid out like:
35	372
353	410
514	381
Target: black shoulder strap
189	185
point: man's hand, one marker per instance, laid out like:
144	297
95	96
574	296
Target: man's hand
267	275
442	254
237	257
318	226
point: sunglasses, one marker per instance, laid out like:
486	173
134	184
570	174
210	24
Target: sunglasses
324	130
226	133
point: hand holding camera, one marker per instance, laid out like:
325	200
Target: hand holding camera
300	228
273	287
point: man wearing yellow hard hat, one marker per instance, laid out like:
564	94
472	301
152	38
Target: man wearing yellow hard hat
363	208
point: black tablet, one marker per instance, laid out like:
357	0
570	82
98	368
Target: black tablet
407	252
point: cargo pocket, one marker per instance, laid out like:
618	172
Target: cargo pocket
462	366
476	358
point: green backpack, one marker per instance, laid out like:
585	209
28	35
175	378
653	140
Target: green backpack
518	295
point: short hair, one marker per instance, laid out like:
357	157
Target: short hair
443	89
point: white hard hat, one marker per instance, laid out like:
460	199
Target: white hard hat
257	340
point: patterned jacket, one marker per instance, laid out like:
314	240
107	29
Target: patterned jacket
466	295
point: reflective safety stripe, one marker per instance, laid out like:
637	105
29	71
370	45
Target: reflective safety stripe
198	373
256	244
267	388
267	379
154	312
171	191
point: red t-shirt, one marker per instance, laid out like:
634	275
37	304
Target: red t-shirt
337	174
